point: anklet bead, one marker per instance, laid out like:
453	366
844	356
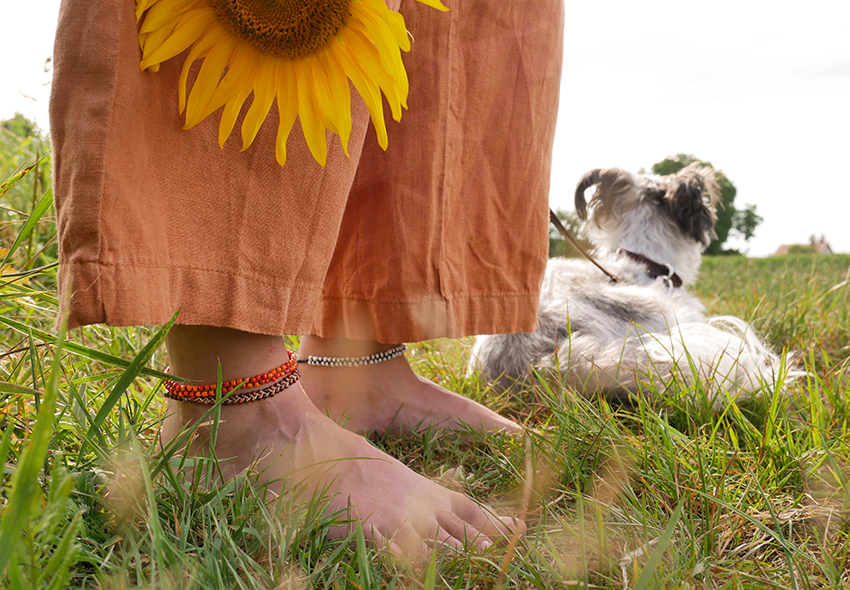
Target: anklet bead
358	361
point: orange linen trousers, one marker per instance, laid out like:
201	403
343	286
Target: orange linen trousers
443	235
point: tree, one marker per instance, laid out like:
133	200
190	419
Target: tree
21	127
558	246
739	222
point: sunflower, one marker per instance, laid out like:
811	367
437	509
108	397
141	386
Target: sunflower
301	53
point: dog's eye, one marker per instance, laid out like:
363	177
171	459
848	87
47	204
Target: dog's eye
657	196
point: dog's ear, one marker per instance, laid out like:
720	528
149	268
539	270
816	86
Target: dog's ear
613	183
690	198
587	180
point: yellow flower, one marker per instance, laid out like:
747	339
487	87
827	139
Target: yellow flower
300	52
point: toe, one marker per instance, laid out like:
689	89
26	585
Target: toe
412	544
383	543
513	524
481	518
456	527
447	540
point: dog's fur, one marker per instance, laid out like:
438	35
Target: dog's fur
604	336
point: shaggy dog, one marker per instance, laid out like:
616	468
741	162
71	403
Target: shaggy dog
601	335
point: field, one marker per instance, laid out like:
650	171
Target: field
662	492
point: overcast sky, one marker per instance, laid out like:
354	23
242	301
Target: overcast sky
760	89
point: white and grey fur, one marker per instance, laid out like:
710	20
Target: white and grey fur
604	336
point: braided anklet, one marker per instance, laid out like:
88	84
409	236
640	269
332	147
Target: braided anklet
277	379
354	361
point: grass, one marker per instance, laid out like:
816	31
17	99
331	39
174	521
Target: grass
642	495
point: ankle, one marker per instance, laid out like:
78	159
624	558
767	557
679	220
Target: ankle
198	353
284	415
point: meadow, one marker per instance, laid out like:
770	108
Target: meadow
662	491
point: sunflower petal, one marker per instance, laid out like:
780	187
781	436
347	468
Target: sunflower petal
208	79
314	131
396	23
150	41
287	107
376	30
240	68
163	12
369	60
395	20
435	4
323	93
264	91
188	30
230	114
366	87
200	49
340	96
141	7
393	81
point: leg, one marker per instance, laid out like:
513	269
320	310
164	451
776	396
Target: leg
387	396
292	441
445	234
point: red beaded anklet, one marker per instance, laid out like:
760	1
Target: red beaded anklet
242	397
207	393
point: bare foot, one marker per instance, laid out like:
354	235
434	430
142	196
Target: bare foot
292	444
387	397
295	446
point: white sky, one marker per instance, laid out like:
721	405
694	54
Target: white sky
759	88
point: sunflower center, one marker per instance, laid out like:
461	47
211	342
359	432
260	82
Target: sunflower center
284	28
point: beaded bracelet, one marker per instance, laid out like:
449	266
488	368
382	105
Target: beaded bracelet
193	392
354	361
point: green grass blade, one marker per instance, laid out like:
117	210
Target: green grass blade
16	579
38	211
133	370
12	180
5	445
364	569
78	349
430	581
35	366
25	487
6	387
59	563
663	542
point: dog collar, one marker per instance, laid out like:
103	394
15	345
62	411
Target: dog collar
654	269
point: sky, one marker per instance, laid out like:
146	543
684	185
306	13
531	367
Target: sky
759	89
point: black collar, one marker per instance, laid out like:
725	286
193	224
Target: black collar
654	269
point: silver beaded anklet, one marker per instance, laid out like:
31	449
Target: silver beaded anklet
354	361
